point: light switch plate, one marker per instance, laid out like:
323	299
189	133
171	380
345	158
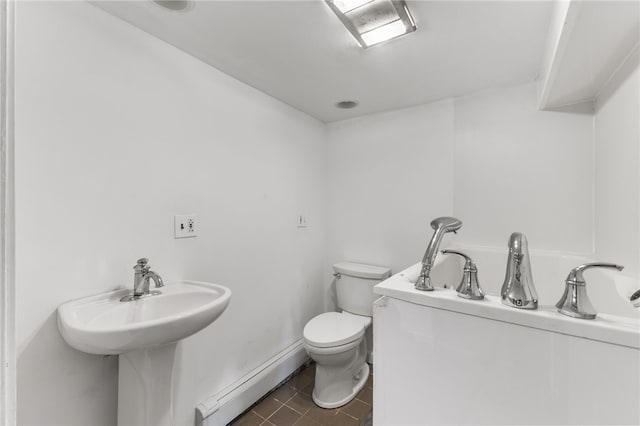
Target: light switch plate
185	225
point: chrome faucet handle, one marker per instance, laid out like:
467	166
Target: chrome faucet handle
469	287
575	276
459	253
141	265
574	301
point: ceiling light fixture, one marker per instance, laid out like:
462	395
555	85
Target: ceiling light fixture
346	6
371	22
347	104
175	5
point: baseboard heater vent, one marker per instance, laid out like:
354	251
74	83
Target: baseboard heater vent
220	409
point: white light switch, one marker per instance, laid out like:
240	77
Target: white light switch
185	225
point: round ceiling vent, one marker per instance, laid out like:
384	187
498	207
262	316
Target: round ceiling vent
175	5
347	104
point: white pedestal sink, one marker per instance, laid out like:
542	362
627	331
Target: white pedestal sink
144	333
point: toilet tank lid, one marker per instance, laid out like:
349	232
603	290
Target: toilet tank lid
361	270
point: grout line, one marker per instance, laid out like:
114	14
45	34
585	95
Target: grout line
347	414
297	422
301	413
276	410
256	415
270	416
290	398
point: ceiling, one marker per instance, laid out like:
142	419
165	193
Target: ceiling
299	52
603	35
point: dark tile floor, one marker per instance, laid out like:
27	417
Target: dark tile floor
291	404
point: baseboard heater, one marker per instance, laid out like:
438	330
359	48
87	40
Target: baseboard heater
221	408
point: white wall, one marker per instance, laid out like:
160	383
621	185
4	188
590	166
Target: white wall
388	175
617	168
491	159
520	169
115	133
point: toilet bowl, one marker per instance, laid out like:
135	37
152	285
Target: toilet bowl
337	341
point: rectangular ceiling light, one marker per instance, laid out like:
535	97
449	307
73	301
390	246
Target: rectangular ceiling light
373	21
348	5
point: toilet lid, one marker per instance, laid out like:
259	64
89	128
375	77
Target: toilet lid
333	329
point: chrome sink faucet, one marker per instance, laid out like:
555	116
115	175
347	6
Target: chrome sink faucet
518	290
143	274
441	226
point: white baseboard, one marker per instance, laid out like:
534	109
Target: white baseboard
220	409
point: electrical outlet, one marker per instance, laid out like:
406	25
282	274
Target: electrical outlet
185	225
302	221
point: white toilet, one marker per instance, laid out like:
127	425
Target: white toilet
337	342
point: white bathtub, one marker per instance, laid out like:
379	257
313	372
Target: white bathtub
441	359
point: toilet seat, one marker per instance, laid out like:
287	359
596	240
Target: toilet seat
333	349
334	329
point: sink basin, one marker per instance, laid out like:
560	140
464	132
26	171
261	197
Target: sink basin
103	324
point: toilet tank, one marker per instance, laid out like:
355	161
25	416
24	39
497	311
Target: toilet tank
354	287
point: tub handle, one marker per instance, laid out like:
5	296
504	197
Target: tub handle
459	253
575	276
575	302
469	287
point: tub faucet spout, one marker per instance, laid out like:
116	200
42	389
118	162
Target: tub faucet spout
441	226
518	290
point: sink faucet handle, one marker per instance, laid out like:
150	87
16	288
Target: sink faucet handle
574	301
141	265
469	287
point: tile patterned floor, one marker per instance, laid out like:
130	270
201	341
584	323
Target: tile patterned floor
291	404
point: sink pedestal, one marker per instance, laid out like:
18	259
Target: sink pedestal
144	332
145	386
